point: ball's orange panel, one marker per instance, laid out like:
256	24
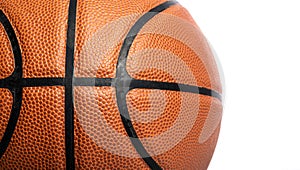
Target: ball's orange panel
192	152
200	43
41	30
101	28
184	42
153	112
100	135
6	56
38	141
167	55
5	109
191	129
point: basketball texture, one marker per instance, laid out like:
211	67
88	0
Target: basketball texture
105	84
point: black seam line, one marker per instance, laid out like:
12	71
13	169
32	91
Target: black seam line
13	84
174	87
69	103
99	82
121	82
45	82
42	82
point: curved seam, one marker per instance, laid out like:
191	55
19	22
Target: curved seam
123	80
12	83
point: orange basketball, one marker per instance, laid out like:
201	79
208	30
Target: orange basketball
105	85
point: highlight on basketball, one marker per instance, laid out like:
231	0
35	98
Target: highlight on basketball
88	84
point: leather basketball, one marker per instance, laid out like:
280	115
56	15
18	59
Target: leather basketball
106	84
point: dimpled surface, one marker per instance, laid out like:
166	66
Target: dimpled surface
176	34
178	129
5	108
150	109
163	44
101	28
41	30
193	153
97	119
38	140
6	56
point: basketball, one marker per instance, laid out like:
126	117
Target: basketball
106	84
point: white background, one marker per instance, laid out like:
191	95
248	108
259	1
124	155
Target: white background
258	43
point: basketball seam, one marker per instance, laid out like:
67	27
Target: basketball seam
99	82
123	79
12	84
69	75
